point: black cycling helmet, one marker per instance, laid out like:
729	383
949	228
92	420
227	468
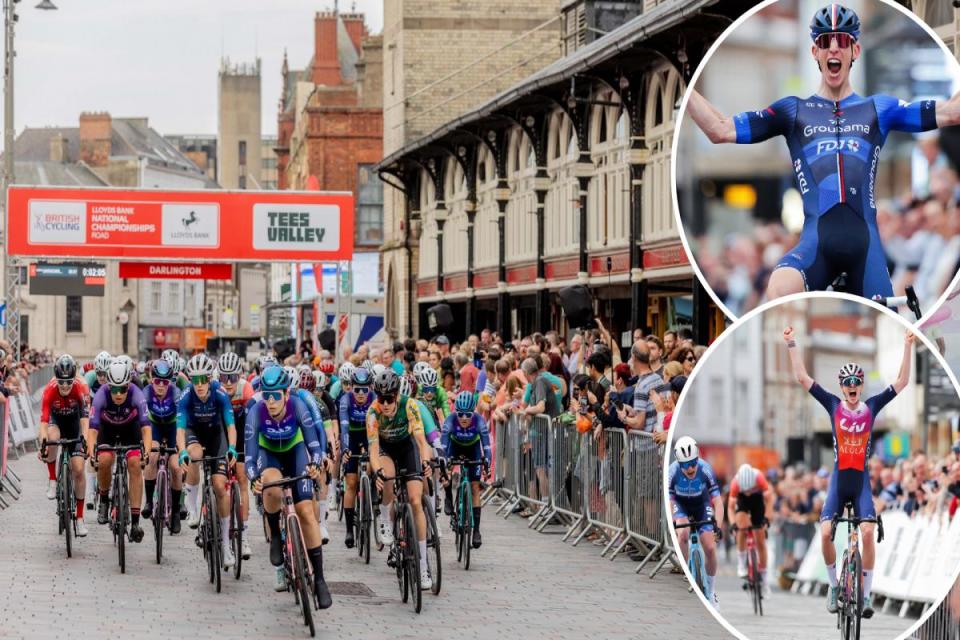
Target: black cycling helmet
65	368
386	383
361	377
835	18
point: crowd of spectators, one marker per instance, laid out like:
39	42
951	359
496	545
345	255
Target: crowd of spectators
13	373
919	229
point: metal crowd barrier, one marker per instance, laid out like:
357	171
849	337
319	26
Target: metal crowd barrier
610	485
942	625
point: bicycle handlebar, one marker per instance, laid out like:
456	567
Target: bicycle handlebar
695	523
61	442
119	448
856	522
283	482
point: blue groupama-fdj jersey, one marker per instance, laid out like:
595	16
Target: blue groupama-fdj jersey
835	148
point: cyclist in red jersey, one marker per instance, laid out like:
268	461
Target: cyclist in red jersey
751	502
852	423
64	414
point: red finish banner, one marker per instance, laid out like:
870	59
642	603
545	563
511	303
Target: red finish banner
215	225
176	270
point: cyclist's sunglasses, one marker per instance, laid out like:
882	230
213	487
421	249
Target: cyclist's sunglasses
361	390
689	464
388	399
118	390
851	381
161	382
844	40
273	395
65	382
199	379
429	389
231	378
465	415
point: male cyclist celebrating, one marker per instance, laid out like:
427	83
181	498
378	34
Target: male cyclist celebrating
834	137
852	423
282	441
695	496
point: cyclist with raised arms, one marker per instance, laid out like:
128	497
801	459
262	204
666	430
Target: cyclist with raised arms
354	405
64	414
282	441
240	392
162	396
695	496
465	434
751	502
834	138
119	417
397	447
851	420
205	428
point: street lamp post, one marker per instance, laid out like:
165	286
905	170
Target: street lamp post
10	270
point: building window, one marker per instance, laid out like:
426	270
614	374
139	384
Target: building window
242	182
369	229
74	314
243	153
156	296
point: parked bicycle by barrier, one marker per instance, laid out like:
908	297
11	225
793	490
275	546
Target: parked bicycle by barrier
298	572
66	502
850	596
119	515
753	582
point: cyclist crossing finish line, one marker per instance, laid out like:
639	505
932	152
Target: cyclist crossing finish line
851	422
834	138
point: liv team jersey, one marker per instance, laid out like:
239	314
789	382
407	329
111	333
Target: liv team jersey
835	147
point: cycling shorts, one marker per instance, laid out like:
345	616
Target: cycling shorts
404	453
357	445
848	486
754	505
694	511
470	452
290	463
164	432
214	443
121	435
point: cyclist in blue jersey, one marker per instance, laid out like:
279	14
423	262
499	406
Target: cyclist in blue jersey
230	374
205	428
695	496
161	396
465	434
851	420
353	436
834	138
282	441
342	384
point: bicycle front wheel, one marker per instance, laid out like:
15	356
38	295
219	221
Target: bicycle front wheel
236	529
412	560
856	568
122	508
756	584
366	520
216	554
160	512
301	588
433	547
697	569
467	517
65	489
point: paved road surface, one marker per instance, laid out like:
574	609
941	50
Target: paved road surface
522	584
787	616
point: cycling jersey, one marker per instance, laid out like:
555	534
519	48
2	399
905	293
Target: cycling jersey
203	416
65	410
239	400
404	423
279	436
702	488
455	434
761	486
429	422
439	403
834	148
162	412
133	409
353	418
90	378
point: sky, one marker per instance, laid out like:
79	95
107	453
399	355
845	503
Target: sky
157	58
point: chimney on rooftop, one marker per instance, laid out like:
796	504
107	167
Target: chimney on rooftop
326	61
58	148
96	131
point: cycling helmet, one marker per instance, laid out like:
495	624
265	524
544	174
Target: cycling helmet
201	365
386	383
65	368
181	364
127	361
322	380
303	367
161	369
274	378
368	364
307	381
229	363
378	369
427	377
102	362
327	367
405	388
465	402
87	367
118	373
361	377
835	18
265	361
850	370
141	367
346	371
747	477
293	376
170	355
420	366
686	449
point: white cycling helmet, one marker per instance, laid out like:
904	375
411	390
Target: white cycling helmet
141	367
851	370
171	356
102	362
201	365
378	369
346	370
368	364
303	367
405	386
229	363
321	379
427	377
419	366
118	373
686	449
294	377
181	364
747	477
127	361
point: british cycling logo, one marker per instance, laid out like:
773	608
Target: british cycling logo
46	222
